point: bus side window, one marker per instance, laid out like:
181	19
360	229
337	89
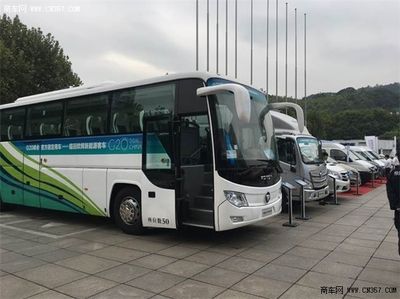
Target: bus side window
12	124
86	116
125	113
44	120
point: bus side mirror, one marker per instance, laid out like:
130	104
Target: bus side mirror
240	94
297	108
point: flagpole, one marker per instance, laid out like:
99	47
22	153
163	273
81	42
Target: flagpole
235	38
286	53
217	35
251	43
276	52
295	54
305	70
267	52
226	37
208	35
197	35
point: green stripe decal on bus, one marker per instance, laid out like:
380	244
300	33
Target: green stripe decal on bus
92	145
14	170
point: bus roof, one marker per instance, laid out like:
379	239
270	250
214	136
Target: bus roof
106	86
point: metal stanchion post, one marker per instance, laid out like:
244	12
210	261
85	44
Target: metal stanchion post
373	179
357	183
303	201
335	201
289	188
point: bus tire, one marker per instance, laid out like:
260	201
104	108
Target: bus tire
128	211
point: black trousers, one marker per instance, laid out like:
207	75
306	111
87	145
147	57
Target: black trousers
397	224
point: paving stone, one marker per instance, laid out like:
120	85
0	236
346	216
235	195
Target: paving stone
345	258
281	273
178	252
207	257
57	255
123	291
156	281
86	287
338	269
308	252
259	255
227	250
230	294
263	287
20	264
184	268
193	289
294	261
118	253
88	264
318	280
123	273
50	275
50	295
388	251
13	287
87	247
153	261
316	244
384	264
220	277
144	245
361	242
35	250
355	249
380	276
241	264
68	242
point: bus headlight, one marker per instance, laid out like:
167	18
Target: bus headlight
236	198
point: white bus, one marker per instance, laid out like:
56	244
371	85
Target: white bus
186	149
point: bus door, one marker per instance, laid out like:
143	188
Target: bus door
158	164
195	161
32	162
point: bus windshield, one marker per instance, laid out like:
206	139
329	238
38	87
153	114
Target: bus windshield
239	145
309	150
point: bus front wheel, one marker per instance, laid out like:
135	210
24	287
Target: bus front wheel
128	211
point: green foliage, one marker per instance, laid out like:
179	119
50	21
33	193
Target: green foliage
31	62
354	113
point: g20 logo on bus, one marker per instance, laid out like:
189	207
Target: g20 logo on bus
124	144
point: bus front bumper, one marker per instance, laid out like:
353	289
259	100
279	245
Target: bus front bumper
231	217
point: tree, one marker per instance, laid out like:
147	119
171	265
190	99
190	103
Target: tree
31	62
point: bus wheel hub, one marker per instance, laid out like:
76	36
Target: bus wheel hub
129	210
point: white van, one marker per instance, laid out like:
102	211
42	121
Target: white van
343	155
300	157
341	176
365	152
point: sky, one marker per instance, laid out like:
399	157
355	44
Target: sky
350	43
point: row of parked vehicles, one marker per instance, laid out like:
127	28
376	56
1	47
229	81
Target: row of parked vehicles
319	163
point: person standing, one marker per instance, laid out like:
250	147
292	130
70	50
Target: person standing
388	165
395	160
393	194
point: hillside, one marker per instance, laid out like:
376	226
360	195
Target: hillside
353	113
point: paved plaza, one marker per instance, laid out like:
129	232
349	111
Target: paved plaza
348	250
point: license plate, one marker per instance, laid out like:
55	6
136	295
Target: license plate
266	212
321	193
